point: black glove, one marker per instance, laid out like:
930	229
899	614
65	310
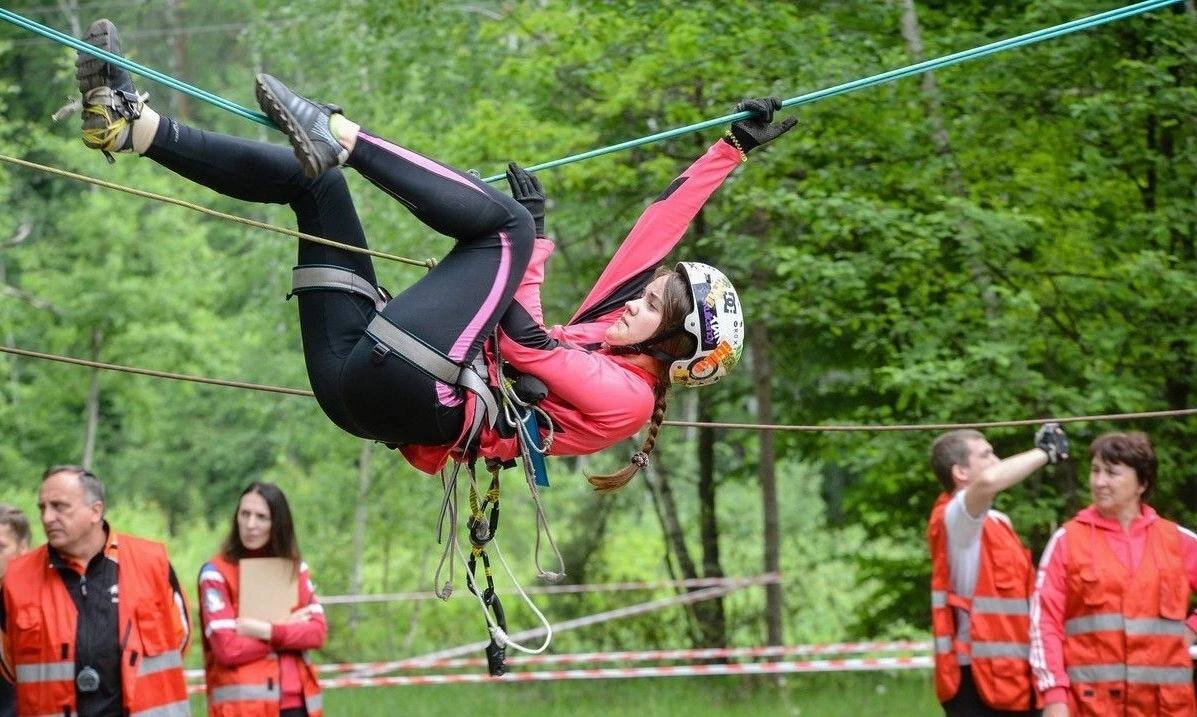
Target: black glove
1051	440
525	189
753	132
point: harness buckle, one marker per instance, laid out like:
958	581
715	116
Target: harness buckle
380	352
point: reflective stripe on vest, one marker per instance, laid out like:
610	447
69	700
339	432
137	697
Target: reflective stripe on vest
46	672
1138	674
315	703
943	645
174	709
243	693
1016	650
1115	622
168	660
939	598
1000	606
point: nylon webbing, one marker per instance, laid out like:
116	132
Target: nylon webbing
432	362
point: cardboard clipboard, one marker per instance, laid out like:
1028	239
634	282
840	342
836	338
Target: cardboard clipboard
268	588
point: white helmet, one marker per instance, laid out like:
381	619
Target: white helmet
715	322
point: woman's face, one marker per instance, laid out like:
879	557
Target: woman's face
253	521
641	316
1115	488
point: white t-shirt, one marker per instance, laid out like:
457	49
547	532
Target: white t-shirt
964	557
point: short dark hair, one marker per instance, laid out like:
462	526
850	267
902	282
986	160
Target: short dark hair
16	521
951	449
282	543
93	488
1131	449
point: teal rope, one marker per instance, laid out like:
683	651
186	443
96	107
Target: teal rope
152	74
926	66
882	78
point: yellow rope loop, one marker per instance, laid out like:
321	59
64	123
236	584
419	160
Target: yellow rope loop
475	508
104	137
493	495
477	551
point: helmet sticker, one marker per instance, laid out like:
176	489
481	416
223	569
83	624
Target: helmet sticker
707	365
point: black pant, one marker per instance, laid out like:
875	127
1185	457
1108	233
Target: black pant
452	308
968	703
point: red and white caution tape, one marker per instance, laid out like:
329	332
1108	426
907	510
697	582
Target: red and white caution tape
867	664
746	668
765	578
841	648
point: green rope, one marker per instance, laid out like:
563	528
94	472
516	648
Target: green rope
81	46
882	78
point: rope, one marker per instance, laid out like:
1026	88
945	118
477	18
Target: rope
157	374
204	95
429	263
878	79
843	428
816	428
574	589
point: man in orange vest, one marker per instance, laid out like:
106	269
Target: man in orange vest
94	621
981	575
14	541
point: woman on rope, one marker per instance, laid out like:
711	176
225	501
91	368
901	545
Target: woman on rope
1109	634
402	371
252	666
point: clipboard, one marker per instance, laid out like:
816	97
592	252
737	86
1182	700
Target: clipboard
268	588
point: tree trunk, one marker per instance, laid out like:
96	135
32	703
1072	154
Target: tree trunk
712	616
762	379
178	58
657	480
93	404
360	516
70	8
966	235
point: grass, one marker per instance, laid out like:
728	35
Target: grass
850	694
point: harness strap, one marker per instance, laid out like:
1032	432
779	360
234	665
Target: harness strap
431	361
332	277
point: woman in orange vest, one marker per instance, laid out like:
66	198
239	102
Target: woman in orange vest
254	667
1109	634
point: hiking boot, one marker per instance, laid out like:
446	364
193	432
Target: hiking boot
110	101
305	123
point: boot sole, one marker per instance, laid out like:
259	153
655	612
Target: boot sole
305	151
91	72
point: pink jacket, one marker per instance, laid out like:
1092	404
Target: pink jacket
595	398
1047	605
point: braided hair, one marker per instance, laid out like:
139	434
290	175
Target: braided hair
668	340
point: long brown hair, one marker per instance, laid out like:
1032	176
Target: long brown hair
282	543
671	341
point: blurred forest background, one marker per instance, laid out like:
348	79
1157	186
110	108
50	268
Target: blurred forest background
1011	238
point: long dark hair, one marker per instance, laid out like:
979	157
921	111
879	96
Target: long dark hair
669	340
282	543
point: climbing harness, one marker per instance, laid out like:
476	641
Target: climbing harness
389	339
509	407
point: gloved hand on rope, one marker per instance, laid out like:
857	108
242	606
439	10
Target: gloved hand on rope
1050	438
526	189
748	134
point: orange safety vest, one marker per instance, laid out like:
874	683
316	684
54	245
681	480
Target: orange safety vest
252	689
42	619
1124	634
999	632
